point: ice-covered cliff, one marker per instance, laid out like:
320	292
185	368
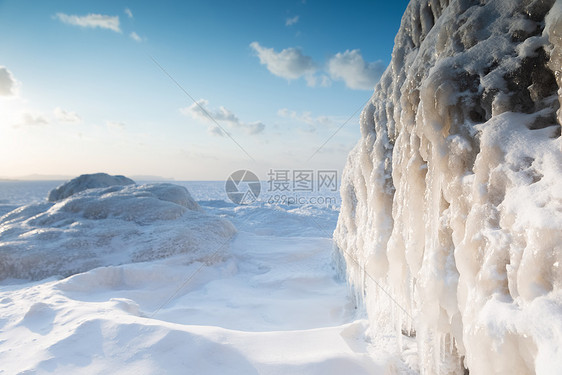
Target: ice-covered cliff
451	218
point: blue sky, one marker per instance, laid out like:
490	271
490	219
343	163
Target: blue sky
80	92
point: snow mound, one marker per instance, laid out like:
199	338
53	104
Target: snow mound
108	226
452	199
84	182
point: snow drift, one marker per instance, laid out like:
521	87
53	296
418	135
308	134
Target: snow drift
452	199
112	225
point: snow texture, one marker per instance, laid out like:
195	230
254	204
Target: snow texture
87	181
272	305
107	226
451	217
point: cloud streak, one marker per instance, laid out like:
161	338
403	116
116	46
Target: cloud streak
306	117
135	37
117	125
291	21
91	21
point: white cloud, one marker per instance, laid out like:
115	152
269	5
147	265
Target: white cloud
58	115
220	115
357	74
91	20
135	37
115	125
7	82
66	116
321	80
291	21
32	118
254	127
307	118
128	13
349	67
290	63
215	130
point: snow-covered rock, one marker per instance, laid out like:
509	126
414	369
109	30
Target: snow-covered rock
451	217
87	181
108	226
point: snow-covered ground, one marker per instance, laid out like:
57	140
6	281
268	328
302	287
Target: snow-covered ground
272	304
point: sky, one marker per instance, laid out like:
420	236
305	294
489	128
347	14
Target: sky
190	90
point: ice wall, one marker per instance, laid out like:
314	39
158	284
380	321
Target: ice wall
452	198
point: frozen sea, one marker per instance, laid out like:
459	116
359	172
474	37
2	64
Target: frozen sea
303	213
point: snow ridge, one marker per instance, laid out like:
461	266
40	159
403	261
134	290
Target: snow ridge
452	198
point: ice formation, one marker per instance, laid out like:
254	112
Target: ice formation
104	226
451	218
84	182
